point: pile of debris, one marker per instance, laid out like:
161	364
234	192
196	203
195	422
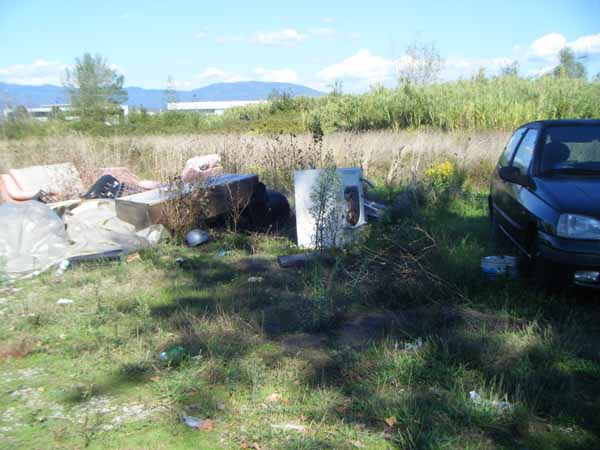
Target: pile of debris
47	220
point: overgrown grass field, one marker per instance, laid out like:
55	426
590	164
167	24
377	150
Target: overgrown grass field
380	349
479	103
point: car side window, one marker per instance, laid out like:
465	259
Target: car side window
524	154
509	150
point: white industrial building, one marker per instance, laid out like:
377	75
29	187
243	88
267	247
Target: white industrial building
211	108
44	112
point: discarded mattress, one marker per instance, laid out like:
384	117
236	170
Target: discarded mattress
11	192
330	206
34	238
60	180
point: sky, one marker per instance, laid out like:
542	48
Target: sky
308	42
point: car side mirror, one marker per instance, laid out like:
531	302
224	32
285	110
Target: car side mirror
514	175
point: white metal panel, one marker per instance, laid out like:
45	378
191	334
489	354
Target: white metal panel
305	183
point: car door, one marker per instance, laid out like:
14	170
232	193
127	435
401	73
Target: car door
499	189
516	195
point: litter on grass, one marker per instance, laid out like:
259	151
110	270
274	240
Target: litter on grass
35	238
255	279
64	301
416	345
196	237
289	426
62	267
198	424
497	266
173	355
495	404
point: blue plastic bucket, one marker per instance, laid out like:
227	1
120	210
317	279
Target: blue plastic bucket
500	266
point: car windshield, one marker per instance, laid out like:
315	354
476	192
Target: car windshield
571	149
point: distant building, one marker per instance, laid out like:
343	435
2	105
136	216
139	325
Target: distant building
45	112
211	108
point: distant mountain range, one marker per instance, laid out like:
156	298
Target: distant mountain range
154	99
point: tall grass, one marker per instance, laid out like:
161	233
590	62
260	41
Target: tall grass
498	103
501	103
393	157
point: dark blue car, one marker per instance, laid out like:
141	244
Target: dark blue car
545	197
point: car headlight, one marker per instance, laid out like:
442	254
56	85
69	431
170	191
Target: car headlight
578	227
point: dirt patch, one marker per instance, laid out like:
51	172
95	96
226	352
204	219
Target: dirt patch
254	265
360	331
302	341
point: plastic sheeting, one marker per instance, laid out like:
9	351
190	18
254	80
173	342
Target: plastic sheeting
34	238
95	228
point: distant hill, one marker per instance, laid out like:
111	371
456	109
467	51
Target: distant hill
153	99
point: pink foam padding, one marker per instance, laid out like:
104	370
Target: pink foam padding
29	179
200	168
149	184
124	175
11	192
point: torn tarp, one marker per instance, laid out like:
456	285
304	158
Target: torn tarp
34	237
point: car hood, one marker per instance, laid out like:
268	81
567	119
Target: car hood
570	194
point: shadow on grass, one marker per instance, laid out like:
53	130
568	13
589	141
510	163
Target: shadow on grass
549	371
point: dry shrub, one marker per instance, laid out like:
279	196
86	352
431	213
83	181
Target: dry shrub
398	264
186	212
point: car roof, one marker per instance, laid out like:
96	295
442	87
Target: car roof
563	122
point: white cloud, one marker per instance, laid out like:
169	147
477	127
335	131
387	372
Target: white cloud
327	20
288	37
183	85
362	67
322	32
216	75
124	16
279	75
201	34
548	46
586	44
38	73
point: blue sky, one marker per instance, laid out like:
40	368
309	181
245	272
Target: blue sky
308	42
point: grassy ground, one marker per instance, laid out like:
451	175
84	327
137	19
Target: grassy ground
359	355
